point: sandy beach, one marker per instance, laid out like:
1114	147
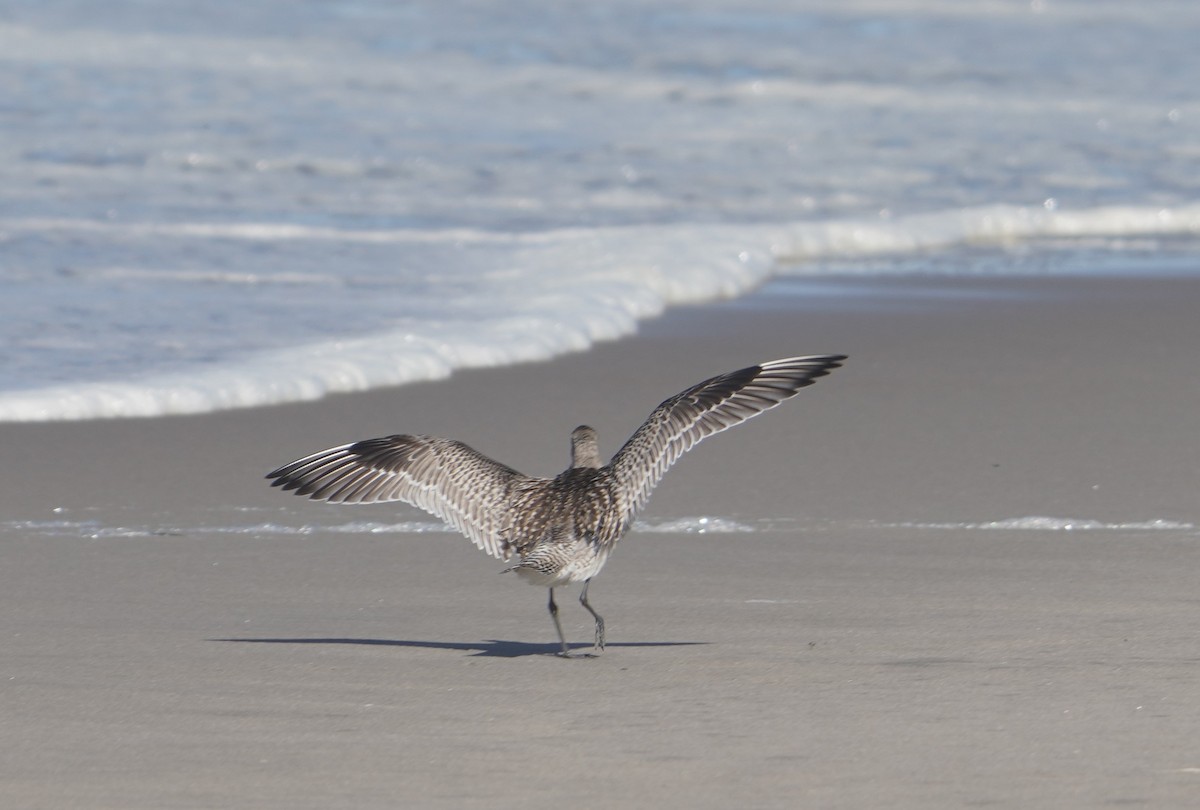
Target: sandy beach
894	632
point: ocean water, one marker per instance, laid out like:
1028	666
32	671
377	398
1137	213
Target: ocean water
229	204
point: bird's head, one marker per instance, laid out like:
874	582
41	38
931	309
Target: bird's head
585	450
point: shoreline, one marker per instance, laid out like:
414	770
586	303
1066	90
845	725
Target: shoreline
1041	361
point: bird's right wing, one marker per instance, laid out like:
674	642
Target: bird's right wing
446	478
706	408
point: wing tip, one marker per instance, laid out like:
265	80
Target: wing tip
308	476
825	361
800	371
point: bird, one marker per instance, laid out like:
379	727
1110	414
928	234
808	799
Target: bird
556	531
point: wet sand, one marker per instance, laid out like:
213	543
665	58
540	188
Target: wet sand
871	644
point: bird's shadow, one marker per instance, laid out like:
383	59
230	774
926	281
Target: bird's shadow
490	647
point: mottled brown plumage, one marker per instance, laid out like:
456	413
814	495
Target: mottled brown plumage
562	529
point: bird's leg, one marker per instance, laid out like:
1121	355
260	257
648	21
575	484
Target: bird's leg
599	621
566	652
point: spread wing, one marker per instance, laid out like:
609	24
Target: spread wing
714	405
446	478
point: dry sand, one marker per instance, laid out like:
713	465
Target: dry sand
868	646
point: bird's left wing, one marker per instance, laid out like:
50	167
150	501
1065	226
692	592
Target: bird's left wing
446	478
706	408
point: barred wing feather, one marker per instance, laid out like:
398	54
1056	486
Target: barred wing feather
707	408
446	478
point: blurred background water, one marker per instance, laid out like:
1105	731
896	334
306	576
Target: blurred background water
228	204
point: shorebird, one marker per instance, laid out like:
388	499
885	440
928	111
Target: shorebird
561	529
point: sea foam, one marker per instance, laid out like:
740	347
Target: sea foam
525	309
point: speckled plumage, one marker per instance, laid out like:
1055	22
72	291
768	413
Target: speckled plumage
562	529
